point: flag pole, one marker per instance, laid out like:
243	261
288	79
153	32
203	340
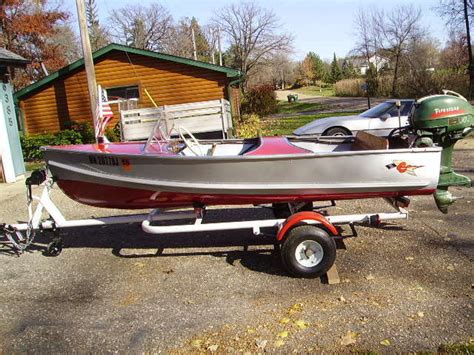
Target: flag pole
89	64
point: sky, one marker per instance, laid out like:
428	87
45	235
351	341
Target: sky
322	26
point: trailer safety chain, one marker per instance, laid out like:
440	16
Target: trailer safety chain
16	238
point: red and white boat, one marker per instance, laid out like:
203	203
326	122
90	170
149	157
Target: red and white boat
186	172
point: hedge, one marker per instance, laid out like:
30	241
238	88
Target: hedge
78	133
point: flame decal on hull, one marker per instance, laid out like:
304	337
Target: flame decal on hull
403	167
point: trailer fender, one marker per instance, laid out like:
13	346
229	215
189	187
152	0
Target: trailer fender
305	215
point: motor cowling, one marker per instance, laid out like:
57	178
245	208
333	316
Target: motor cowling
442	120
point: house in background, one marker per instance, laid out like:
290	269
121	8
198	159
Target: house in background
50	104
361	65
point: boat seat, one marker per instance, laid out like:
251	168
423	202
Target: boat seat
367	141
276	146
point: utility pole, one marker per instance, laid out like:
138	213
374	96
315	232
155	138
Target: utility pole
212	36
219	45
469	50
194	43
88	62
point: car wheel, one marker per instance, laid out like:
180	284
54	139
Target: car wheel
337	131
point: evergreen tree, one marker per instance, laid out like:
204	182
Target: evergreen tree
202	45
335	74
348	70
372	80
97	34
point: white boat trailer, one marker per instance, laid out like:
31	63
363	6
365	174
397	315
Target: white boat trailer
310	253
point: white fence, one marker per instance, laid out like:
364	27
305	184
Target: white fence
197	117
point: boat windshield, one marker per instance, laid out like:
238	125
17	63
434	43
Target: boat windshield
160	139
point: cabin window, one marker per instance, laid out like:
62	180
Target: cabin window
123	92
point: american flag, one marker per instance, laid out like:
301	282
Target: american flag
105	113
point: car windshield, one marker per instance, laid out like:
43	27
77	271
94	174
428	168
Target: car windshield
378	110
388	108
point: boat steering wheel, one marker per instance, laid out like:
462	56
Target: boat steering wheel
191	144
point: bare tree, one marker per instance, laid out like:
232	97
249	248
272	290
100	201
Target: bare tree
68	41
252	33
366	44
141	27
454	55
396	30
458	15
180	41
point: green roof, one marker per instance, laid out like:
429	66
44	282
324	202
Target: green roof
231	73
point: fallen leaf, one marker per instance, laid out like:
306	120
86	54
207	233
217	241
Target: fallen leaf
409	258
349	338
370	277
420	314
283	334
284	320
261	344
279	343
450	267
301	324
297	307
197	343
385	342
341	299
251	330
213	348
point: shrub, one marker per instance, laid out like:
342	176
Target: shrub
260	100
84	128
31	144
113	134
249	126
349	87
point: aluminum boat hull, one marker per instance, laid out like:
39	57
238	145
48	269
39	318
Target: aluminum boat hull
122	176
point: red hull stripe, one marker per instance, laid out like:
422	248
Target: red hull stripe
127	198
449	113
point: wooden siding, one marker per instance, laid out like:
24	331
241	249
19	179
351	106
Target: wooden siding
66	99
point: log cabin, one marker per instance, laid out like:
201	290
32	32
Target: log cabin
50	104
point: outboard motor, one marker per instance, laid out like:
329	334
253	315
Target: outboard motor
442	120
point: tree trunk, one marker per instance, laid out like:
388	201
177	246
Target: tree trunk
395	76
469	49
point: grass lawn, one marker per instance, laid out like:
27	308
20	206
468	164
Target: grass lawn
316	90
295	107
286	125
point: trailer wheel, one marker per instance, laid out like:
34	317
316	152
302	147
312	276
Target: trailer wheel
308	251
54	248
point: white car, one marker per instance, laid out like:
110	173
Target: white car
380	120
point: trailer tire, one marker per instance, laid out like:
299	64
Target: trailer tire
308	251
54	248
